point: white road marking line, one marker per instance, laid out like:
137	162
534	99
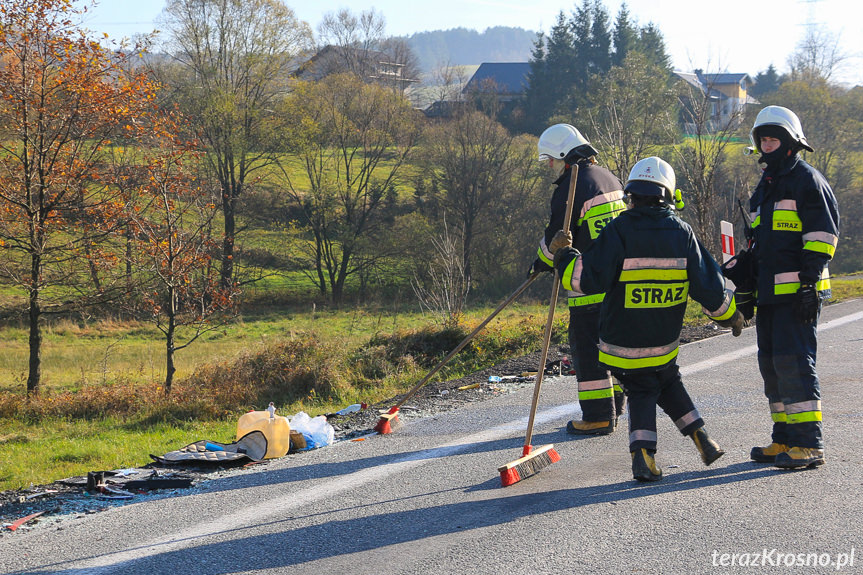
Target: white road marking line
752	349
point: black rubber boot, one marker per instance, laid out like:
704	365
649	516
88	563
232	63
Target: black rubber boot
707	448
644	466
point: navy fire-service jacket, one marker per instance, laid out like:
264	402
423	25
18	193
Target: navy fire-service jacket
648	261
795	219
598	200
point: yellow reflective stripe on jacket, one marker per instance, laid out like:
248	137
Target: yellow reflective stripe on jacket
789	282
625	363
600	210
652	274
726	310
658	269
655	295
785	218
755	217
541	253
571	278
821	242
637	357
654	282
582	300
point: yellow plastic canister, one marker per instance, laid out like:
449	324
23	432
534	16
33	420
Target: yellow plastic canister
276	429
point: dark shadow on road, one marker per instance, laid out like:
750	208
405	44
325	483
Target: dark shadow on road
511	448
294	546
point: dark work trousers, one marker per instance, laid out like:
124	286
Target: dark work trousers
664	388
600	398
786	358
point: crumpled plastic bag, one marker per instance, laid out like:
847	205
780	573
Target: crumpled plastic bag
316	430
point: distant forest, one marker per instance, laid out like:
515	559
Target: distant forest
461	46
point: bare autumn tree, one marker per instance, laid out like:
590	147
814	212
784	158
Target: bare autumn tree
63	100
830	121
354	37
818	55
352	140
230	69
178	287
471	158
699	159
630	110
358	44
443	287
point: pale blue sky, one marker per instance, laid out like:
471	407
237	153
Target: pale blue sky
728	35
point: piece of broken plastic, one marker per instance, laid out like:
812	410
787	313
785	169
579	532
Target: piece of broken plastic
351	408
15	525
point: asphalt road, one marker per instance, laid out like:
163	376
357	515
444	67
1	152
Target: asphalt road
428	499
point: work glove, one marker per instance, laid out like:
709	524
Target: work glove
745	302
562	239
538	266
735	322
741	269
807	304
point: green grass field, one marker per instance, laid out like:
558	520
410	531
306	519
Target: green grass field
81	353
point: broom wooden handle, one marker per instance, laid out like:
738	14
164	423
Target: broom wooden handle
467	339
546	338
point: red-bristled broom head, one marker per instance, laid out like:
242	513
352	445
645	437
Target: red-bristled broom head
389	422
534	461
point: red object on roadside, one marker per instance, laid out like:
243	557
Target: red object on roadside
24	520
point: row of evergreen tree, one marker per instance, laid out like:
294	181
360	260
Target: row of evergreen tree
584	45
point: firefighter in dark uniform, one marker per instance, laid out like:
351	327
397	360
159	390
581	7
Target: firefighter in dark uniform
795	220
598	199
648	262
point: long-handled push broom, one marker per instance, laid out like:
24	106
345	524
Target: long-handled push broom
389	421
532	461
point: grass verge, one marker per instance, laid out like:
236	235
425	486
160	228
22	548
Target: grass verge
310	362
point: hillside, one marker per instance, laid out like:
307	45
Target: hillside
461	46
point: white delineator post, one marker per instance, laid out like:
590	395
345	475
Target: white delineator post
726	231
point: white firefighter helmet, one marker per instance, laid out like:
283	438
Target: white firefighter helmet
653	170
783	118
559	140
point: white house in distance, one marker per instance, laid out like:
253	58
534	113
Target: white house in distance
728	93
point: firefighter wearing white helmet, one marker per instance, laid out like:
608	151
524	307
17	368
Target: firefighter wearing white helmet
562	142
795	222
783	119
652	176
649	262
598	199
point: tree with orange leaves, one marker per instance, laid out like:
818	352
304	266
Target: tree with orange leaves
177	287
64	100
